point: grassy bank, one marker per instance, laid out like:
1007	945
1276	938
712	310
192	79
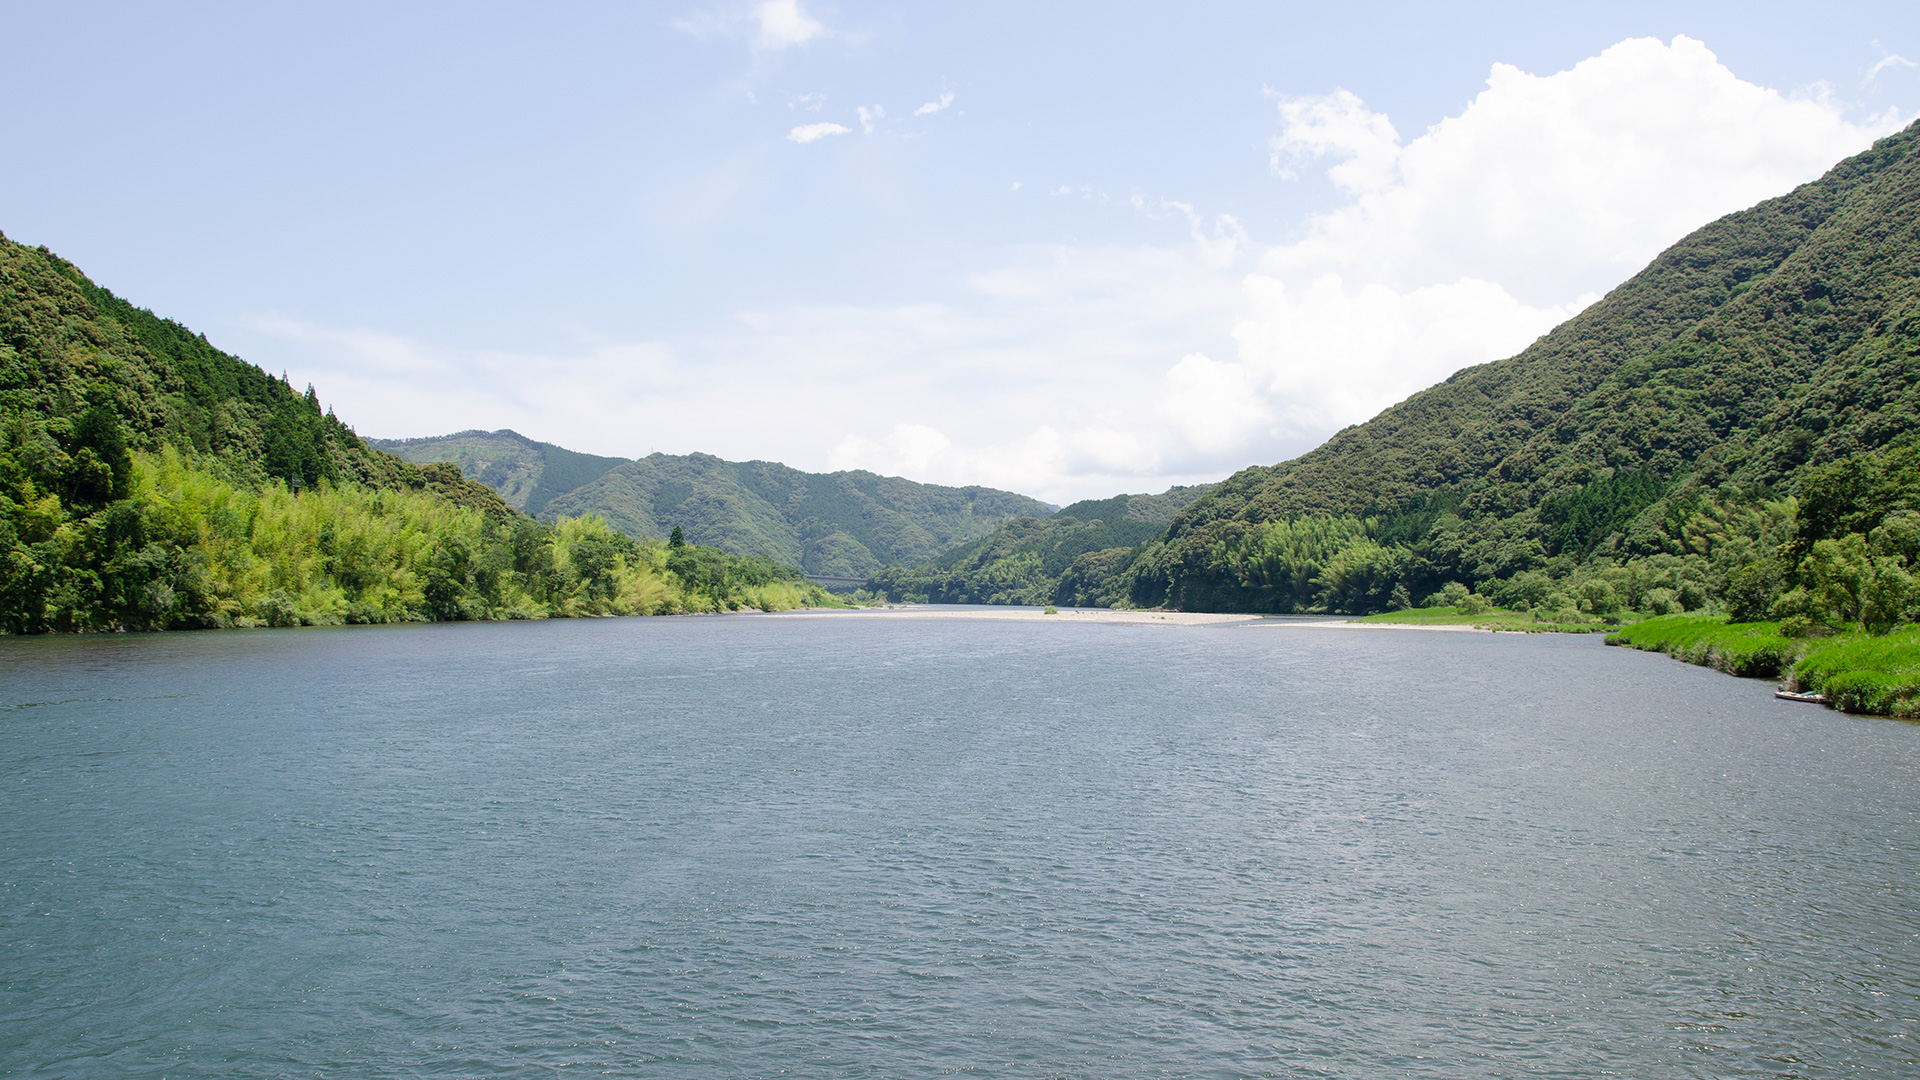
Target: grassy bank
1858	672
1488	619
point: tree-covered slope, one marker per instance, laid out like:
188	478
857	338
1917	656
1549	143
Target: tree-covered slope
68	346
1720	344
844	524
1774	339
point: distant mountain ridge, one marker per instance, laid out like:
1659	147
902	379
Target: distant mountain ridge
841	524
525	472
1067	558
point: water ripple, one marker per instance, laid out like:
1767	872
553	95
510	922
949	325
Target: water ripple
861	848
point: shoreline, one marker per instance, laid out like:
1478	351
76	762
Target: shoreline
1108	616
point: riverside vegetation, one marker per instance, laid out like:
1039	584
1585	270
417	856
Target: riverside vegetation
150	481
1730	434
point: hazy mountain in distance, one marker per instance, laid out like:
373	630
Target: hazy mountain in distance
845	524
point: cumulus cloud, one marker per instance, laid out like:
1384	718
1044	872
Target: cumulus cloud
807	133
1334	352
1341	125
1561	184
932	107
1214	406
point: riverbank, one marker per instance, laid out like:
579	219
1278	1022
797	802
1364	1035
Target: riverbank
1496	619
1149	617
1022	614
1856	672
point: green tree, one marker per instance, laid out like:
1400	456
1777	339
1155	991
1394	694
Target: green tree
1845	584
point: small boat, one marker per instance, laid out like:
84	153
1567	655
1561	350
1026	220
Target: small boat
1794	695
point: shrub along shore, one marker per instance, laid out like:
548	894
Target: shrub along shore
1483	617
1856	671
184	547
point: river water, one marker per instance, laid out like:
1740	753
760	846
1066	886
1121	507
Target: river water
871	846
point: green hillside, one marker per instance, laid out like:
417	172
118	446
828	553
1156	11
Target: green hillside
1651	447
149	480
1072	557
68	346
844	524
527	474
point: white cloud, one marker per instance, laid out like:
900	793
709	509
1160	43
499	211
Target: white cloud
1337	124
1332	353
771	26
932	107
807	133
782	24
869	115
812	102
1215	407
586	397
1887	61
1562	184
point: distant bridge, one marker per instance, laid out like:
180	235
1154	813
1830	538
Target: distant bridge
836	584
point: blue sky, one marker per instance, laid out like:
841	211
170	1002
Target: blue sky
1070	249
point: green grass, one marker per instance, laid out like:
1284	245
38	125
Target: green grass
1755	650
1491	619
1866	674
1858	672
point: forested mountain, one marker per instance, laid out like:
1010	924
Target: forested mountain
149	480
1072	557
526	473
1651	444
844	524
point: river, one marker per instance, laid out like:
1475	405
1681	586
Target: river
868	846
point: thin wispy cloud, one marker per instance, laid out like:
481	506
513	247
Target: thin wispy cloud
782	25
768	27
932	107
1887	61
869	116
807	133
